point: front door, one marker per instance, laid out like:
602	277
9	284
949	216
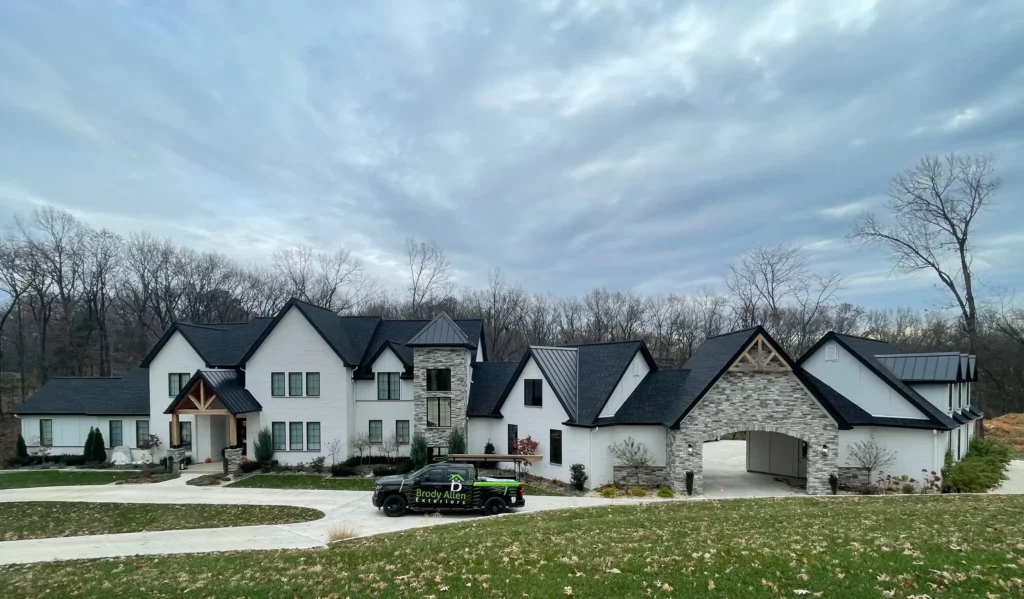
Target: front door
240	431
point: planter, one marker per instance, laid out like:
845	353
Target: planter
689	482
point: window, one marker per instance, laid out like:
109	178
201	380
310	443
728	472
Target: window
376	431
534	392
277	434
46	431
435	452
313	384
185	435
831	352
388	385
277	384
439	379
513	438
175	381
141	431
436	475
402	431
294	383
556	447
312	436
295	436
116	438
439	412
959	396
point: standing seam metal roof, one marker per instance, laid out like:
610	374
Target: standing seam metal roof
560	365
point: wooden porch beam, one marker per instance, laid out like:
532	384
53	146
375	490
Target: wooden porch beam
232	431
175	430
214	412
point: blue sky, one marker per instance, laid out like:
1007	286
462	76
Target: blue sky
629	145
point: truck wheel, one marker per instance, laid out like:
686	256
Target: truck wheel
494	506
394	506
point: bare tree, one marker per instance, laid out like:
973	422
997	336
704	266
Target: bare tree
103	260
389	446
932	207
334	280
430	278
633	455
871	455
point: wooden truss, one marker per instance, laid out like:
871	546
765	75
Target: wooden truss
759	356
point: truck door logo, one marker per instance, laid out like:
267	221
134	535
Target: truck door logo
456	482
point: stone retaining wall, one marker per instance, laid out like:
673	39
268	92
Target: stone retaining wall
655	476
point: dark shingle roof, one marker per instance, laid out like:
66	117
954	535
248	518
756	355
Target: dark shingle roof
559	365
649	402
939	367
227	385
100	396
601	366
395	334
490	379
441	331
849	414
218	344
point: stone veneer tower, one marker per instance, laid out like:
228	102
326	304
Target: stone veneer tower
441	344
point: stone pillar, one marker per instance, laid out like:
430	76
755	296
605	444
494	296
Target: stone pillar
819	465
457	361
174	457
683	454
233	458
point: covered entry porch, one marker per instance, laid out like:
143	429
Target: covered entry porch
219	406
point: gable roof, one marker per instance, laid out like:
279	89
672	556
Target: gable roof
220	345
850	414
126	395
331	327
865	350
227	385
441	332
490	379
394	334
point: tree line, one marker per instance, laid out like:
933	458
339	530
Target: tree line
78	301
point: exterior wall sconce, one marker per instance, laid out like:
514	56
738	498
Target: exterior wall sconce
824	451
689	449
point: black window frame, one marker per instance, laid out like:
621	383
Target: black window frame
283	436
42	432
284	384
309	436
555	440
317	386
138	432
407	438
298	376
182	379
436	382
533	393
120	433
292	427
512	438
392	386
380	432
185	425
439	421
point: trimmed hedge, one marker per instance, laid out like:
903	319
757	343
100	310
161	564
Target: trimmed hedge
983	468
342	470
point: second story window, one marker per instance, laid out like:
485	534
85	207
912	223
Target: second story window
388	385
439	412
277	384
439	379
313	384
534	392
294	383
175	381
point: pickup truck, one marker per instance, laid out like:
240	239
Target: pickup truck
446	486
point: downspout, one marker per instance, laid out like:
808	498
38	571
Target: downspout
935	449
590	464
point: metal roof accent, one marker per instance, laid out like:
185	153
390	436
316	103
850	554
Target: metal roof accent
441	332
227	385
560	367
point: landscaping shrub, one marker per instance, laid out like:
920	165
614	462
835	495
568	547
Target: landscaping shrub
87	448
342	470
638	492
22	449
403	466
98	452
609	492
384	471
578	476
249	466
983	468
263	448
317	464
418	451
457	441
354	461
489	450
689	482
908	489
833	481
72	460
665	492
207	480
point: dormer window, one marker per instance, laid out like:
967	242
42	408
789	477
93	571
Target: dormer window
534	392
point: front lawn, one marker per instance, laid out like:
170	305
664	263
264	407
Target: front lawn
42	519
873	547
60	478
304	481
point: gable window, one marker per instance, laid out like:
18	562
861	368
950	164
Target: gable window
376	431
831	352
513	439
313	436
402	431
439	412
116	437
141	431
439	379
556	447
277	384
295	436
534	391
388	385
294	384
313	384
277	434
46	431
175	381
185	435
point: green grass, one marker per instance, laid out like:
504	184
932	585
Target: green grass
872	547
304	481
41	519
529	489
59	478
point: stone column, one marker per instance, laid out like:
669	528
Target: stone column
682	455
456	360
174	456
819	465
233	458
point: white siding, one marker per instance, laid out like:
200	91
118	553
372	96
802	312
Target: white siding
915	449
482	430
599	457
388	412
480	350
176	355
635	373
70	432
859	384
295	346
936	393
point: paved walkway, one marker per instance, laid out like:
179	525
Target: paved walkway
1014	485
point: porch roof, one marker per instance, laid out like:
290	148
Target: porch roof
227	385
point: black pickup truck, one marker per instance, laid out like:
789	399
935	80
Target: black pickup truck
446	486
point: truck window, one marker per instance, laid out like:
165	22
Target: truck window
437	475
464	470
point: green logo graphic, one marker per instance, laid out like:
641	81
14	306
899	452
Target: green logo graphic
457	476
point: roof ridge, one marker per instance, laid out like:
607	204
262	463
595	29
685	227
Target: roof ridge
562	347
753	328
864	338
568	345
88	378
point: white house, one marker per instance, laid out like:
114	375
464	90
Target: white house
316	380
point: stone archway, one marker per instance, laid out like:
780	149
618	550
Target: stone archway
756	393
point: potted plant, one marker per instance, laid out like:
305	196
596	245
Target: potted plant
689	482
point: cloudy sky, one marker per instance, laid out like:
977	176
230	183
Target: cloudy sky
630	145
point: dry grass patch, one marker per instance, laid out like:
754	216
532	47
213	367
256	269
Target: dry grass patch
340	531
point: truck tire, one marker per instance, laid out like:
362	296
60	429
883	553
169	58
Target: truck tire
494	506
394	506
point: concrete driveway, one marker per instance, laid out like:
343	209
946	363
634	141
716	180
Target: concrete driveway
726	476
